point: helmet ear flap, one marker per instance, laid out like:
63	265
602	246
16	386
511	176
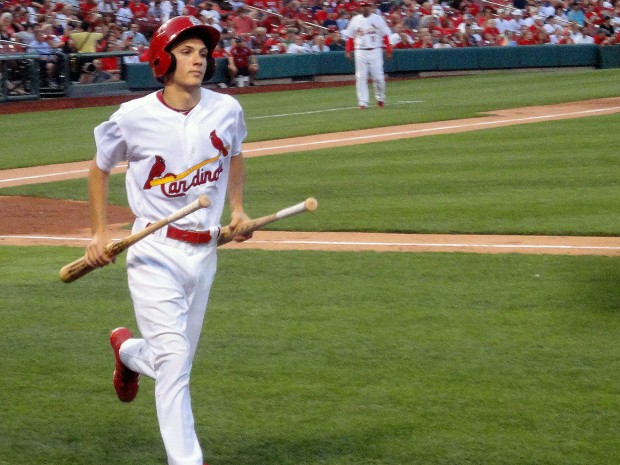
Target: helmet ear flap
165	65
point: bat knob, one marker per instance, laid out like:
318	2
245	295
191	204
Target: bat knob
311	204
204	201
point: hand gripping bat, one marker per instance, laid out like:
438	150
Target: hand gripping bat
79	267
227	233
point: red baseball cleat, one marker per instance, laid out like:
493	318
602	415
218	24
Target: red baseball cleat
125	380
380	104
362	107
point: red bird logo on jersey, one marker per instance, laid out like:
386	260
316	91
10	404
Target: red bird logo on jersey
157	170
217	143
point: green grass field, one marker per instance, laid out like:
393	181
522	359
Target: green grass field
330	358
344	358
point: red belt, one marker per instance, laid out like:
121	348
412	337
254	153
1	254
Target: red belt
193	237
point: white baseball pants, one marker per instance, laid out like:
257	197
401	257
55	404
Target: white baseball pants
369	63
169	282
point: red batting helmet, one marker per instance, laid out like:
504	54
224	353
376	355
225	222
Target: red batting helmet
173	30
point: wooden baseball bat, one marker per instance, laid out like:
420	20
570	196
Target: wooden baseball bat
79	267
227	233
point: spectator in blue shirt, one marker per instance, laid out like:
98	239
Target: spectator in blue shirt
42	44
577	15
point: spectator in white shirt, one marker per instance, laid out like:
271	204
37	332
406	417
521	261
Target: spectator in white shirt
319	45
134	36
299	46
124	15
502	22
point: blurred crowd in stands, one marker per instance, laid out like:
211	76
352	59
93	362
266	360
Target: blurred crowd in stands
295	26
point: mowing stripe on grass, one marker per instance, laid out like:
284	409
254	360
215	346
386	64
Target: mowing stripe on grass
468	126
254	149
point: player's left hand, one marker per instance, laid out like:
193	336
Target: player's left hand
237	217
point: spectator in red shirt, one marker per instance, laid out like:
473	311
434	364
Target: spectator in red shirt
242	22
542	37
272	5
111	64
275	46
305	16
565	37
487	14
190	10
527	38
88	7
320	15
241	62
489	29
349	6
271	22
138	9
602	37
401	38
424	39
258	41
220	51
538	24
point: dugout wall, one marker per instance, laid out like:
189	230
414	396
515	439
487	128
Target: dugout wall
138	77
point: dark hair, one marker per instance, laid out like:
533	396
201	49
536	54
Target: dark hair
88	68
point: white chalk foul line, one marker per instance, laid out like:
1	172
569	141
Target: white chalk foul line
40	176
328	110
367	243
51	175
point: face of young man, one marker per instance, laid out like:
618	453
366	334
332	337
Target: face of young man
191	62
366	10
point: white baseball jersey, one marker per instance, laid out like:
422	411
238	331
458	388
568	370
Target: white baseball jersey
368	32
173	158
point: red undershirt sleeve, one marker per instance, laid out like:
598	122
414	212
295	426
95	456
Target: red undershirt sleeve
349	46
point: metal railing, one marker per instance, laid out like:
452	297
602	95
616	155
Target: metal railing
23	74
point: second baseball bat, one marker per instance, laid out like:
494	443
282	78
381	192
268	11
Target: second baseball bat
227	233
79	267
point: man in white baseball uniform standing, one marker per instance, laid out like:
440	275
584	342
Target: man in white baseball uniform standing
181	142
367	35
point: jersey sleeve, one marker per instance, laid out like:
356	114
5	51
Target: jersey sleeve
385	29
111	145
349	32
240	132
